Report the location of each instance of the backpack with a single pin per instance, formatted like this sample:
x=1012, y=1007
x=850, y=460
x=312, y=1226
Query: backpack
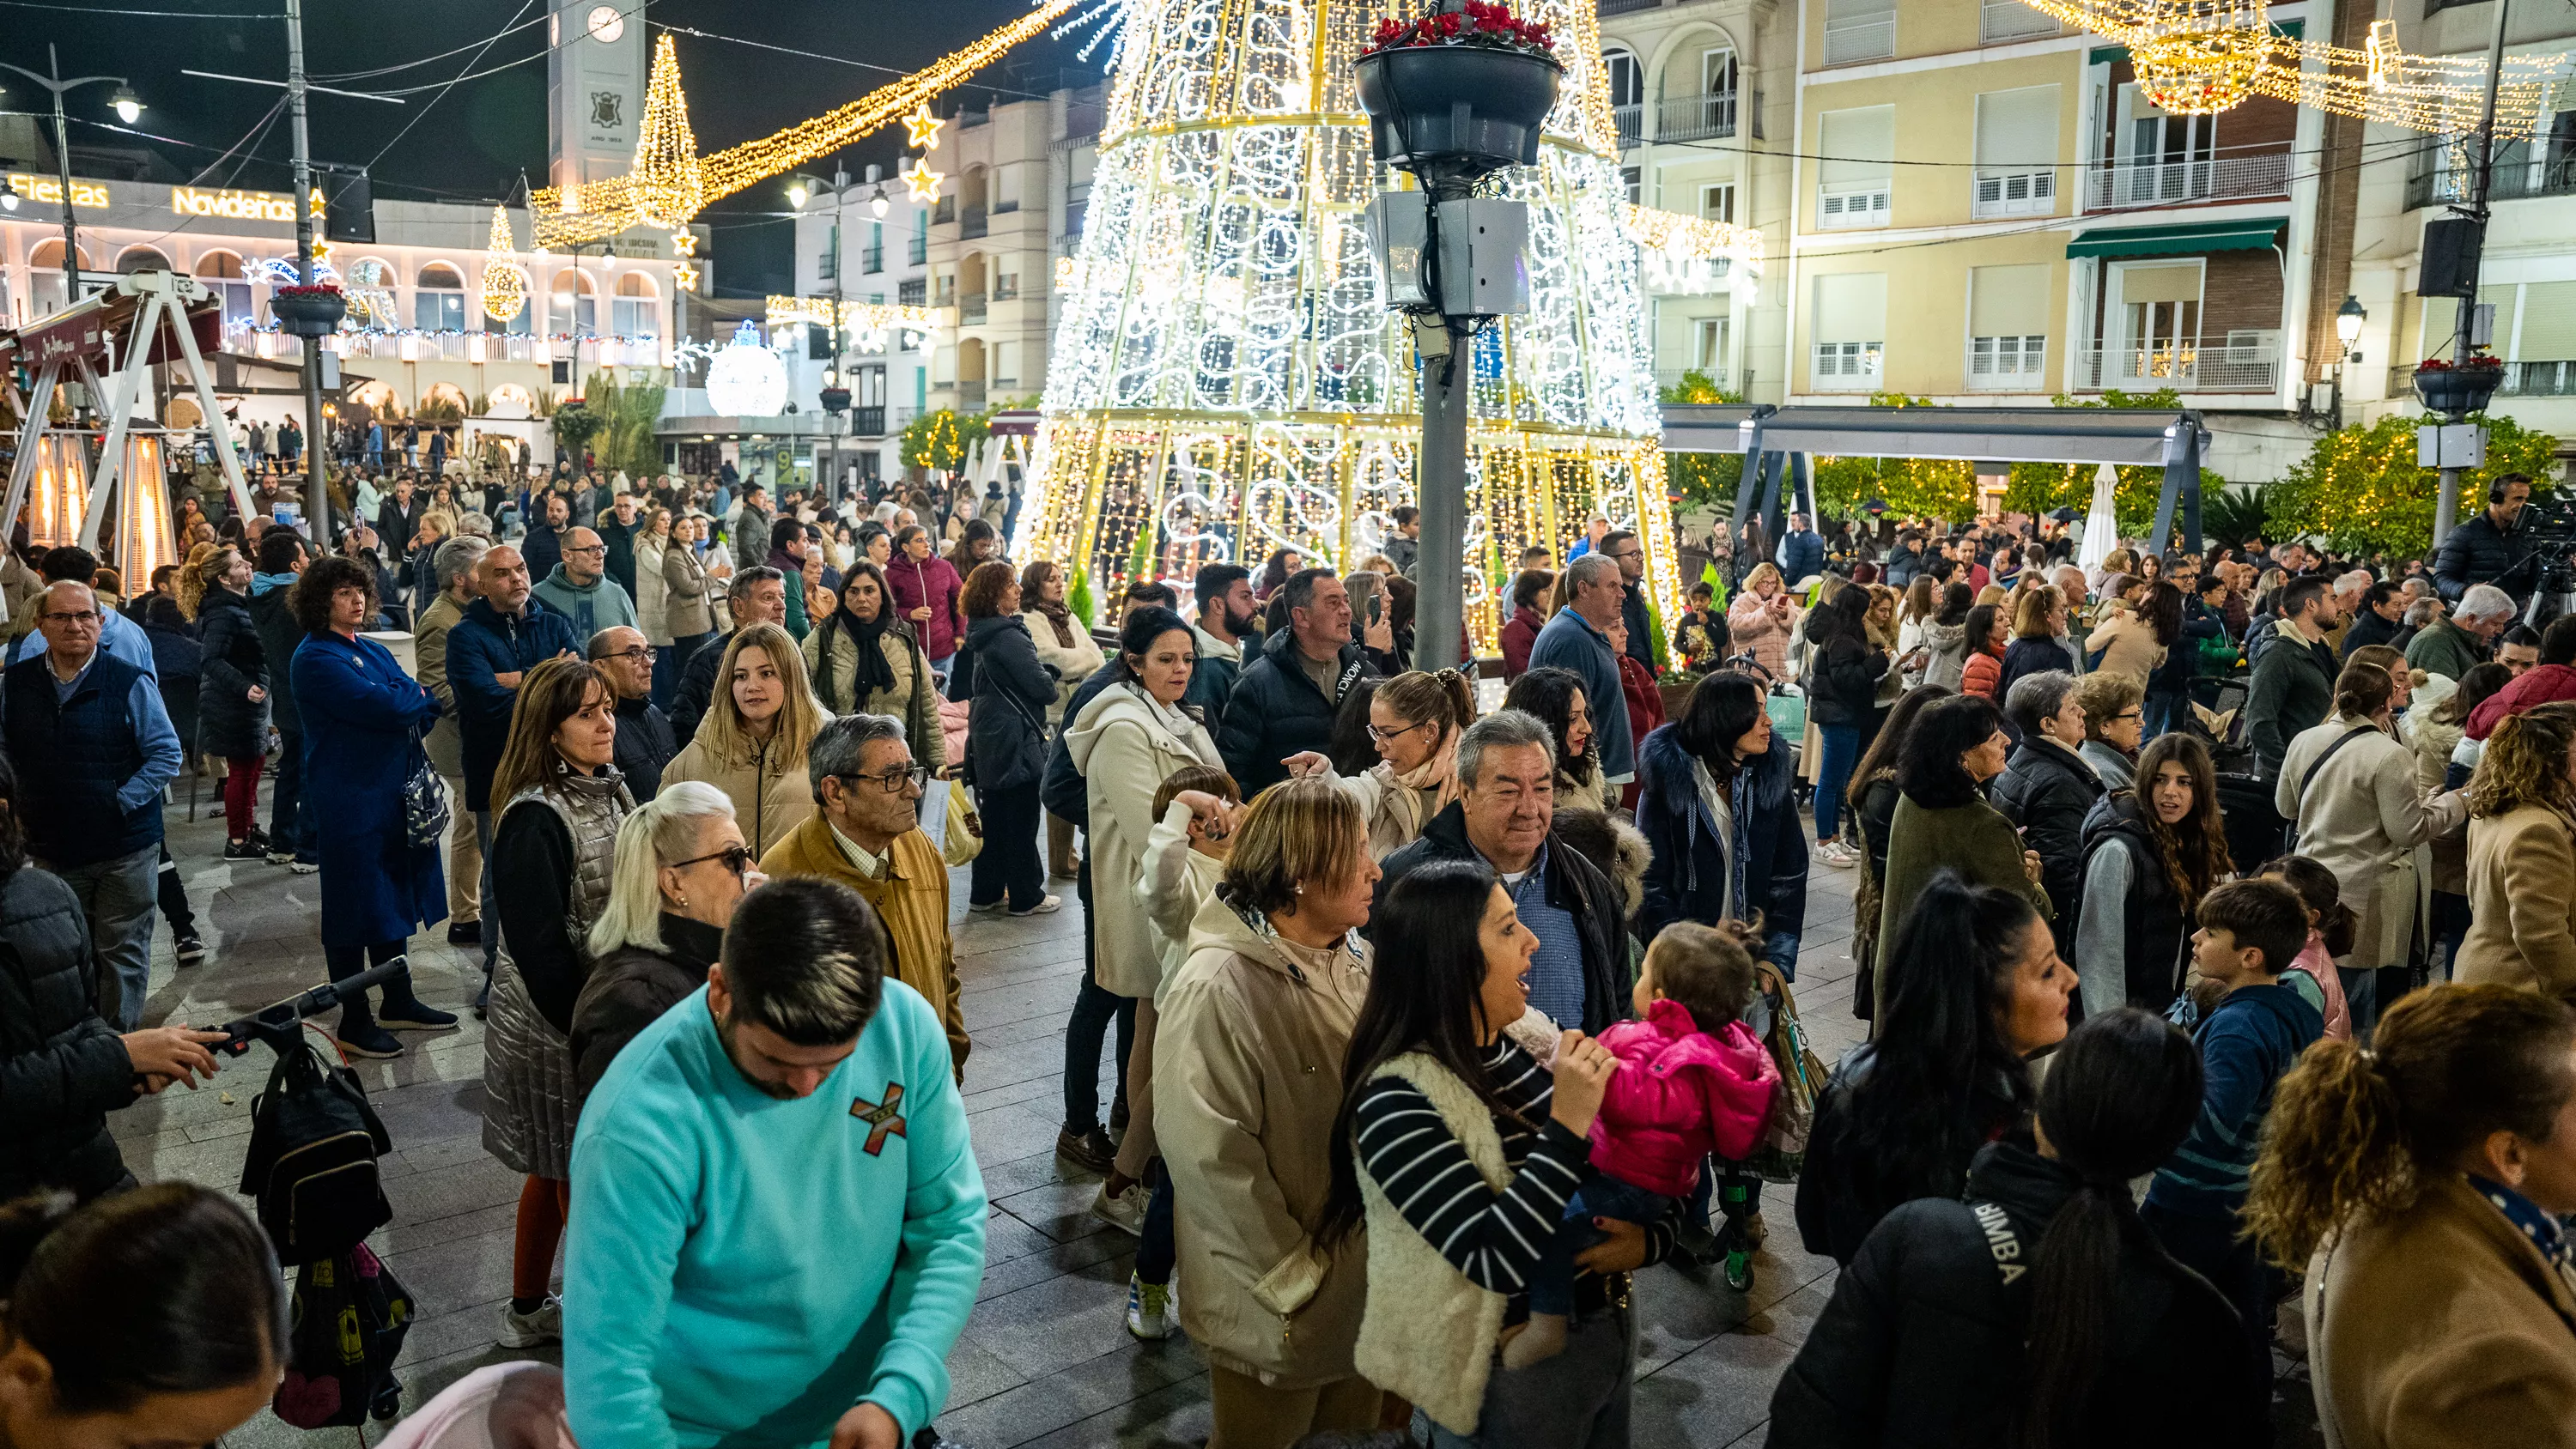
x=314, y=1142
x=351, y=1316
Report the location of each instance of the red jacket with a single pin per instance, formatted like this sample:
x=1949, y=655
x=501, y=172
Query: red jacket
x=1645, y=701
x=1680, y=1094
x=934, y=582
x=1983, y=673
x=1519, y=637
x=2542, y=684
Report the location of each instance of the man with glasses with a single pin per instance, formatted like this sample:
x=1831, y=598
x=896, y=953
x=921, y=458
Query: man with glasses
x=863, y=834
x=581, y=590
x=644, y=739
x=94, y=747
x=1628, y=551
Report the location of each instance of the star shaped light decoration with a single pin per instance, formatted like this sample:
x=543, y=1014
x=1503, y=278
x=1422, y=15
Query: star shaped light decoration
x=922, y=182
x=922, y=128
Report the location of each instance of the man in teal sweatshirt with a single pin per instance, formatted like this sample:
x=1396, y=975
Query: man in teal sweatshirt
x=782, y=1225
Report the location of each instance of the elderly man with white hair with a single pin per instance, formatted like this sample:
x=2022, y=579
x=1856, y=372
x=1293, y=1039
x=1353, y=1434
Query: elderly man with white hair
x=2070, y=586
x=2452, y=647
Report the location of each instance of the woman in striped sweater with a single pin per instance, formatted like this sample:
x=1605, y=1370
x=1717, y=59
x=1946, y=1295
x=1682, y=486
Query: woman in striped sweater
x=1457, y=1149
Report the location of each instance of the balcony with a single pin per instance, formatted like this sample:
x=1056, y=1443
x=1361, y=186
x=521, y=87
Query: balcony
x=2176, y=183
x=2007, y=363
x=918, y=253
x=943, y=211
x=1849, y=207
x=1847, y=366
x=1671, y=377
x=2514, y=180
x=1006, y=288
x=2002, y=22
x=1625, y=7
x=2013, y=193
x=872, y=260
x=972, y=309
x=971, y=394
x=973, y=223
x=1860, y=39
x=1631, y=120
x=868, y=422
x=1696, y=118
x=2521, y=379
x=2248, y=368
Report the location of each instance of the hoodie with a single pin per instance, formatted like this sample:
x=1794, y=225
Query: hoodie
x=1684, y=1093
x=603, y=604
x=1946, y=648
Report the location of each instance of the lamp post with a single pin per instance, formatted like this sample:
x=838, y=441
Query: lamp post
x=129, y=109
x=835, y=396
x=2348, y=320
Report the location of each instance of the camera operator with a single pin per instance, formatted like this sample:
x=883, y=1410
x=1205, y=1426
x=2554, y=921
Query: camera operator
x=2487, y=548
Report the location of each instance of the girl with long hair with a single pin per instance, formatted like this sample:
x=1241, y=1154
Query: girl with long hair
x=1971, y=989
x=864, y=660
x=1414, y=721
x=1842, y=702
x=1982, y=672
x=1942, y=820
x=752, y=743
x=1716, y=804
x=2075, y=1345
x=2150, y=854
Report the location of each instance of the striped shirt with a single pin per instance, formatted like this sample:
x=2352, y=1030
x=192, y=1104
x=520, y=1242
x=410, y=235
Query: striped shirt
x=1493, y=1237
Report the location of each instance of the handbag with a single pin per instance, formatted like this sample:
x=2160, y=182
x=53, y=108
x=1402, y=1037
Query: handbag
x=965, y=838
x=1783, y=1150
x=425, y=811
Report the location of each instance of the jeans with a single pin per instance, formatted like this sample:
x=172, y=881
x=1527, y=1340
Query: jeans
x=1093, y=1010
x=1841, y=752
x=492, y=932
x=1156, y=1253
x=1009, y=860
x=1551, y=1284
x=1576, y=1400
x=117, y=896
x=2166, y=709
x=288, y=829
x=665, y=674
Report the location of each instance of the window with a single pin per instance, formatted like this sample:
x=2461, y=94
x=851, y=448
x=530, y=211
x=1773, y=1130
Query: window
x=1717, y=72
x=2158, y=316
x=1717, y=203
x=912, y=292
x=438, y=301
x=873, y=260
x=1006, y=189
x=221, y=272
x=574, y=310
x=828, y=265
x=1859, y=30
x=1709, y=347
x=919, y=251
x=1633, y=179
x=1627, y=78
x=1850, y=331
x=2016, y=172
x=2008, y=325
x=1859, y=147
x=636, y=312
x=1006, y=364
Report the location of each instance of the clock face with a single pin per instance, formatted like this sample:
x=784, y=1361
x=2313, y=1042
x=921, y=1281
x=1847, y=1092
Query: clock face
x=606, y=23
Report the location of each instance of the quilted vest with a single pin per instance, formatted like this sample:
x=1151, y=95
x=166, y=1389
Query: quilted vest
x=1429, y=1333
x=71, y=759
x=591, y=807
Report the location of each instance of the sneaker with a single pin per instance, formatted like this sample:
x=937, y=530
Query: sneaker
x=302, y=867
x=244, y=850
x=372, y=1042
x=1126, y=1211
x=465, y=933
x=1092, y=1151
x=1151, y=1313
x=528, y=1330
x=413, y=1016
x=190, y=950
x=988, y=907
x=1046, y=906
x=1836, y=854
x=280, y=857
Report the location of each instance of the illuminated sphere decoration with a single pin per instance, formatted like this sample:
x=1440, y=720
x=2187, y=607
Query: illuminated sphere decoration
x=745, y=379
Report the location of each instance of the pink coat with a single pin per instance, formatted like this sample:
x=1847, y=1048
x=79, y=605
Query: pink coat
x=935, y=583
x=2320, y=967
x=1680, y=1094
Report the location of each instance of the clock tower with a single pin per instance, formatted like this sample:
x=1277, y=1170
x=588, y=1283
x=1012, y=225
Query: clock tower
x=595, y=79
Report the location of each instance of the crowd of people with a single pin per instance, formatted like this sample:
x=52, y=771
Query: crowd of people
x=2250, y=876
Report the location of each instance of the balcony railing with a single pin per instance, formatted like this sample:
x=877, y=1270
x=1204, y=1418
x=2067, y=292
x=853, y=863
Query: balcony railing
x=1862, y=38
x=872, y=260
x=1623, y=7
x=2514, y=180
x=943, y=211
x=2004, y=21
x=1631, y=121
x=1006, y=288
x=918, y=251
x=2253, y=368
x=868, y=422
x=2521, y=379
x=973, y=223
x=2169, y=183
x=1673, y=376
x=972, y=308
x=1695, y=118
x=2013, y=193
x=971, y=393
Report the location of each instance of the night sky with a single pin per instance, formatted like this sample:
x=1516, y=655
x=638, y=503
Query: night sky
x=479, y=137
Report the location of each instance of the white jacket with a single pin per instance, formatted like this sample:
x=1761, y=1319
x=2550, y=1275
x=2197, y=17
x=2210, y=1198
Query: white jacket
x=1174, y=882
x=2363, y=817
x=1125, y=750
x=1073, y=665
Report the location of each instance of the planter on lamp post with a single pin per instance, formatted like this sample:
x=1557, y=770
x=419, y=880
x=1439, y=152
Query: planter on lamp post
x=308, y=311
x=2457, y=390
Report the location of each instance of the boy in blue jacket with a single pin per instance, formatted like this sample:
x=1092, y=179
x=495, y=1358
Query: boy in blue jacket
x=2250, y=932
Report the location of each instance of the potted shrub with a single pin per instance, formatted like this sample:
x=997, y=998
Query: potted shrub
x=313, y=311
x=1461, y=89
x=1676, y=686
x=2458, y=388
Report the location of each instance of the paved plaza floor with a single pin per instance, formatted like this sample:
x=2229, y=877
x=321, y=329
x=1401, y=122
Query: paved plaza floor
x=1046, y=1359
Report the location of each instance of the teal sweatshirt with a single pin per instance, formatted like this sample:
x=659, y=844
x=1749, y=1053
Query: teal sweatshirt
x=743, y=1270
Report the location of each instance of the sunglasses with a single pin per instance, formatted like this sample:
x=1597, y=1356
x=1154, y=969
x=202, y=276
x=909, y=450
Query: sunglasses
x=736, y=858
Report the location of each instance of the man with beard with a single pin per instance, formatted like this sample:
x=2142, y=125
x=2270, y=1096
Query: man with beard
x=782, y=1224
x=1226, y=612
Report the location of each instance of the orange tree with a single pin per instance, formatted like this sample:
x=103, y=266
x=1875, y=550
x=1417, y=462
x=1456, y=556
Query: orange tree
x=2360, y=488
x=2042, y=488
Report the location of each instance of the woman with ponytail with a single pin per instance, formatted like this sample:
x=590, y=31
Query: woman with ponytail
x=1977, y=987
x=156, y=1316
x=1414, y=721
x=2420, y=1184
x=2037, y=1313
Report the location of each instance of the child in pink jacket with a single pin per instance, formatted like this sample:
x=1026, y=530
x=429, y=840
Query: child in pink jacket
x=2330, y=924
x=1691, y=1081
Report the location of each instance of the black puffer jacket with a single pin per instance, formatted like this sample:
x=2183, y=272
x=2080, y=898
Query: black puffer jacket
x=2029, y=655
x=229, y=725
x=1688, y=871
x=2153, y=926
x=1842, y=682
x=628, y=990
x=2477, y=552
x=1006, y=735
x=1574, y=884
x=1276, y=711
x=1844, y=1189
x=2047, y=791
x=1921, y=1344
x=274, y=617
x=62, y=1068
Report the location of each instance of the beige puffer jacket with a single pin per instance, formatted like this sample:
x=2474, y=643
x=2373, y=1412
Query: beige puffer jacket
x=1125, y=751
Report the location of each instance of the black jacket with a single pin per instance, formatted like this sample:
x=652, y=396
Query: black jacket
x=62, y=1068
x=2369, y=628
x=630, y=988
x=2154, y=930
x=1276, y=711
x=1006, y=734
x=1574, y=884
x=1686, y=874
x=1640, y=624
x=1921, y=1344
x=1843, y=1192
x=274, y=619
x=1901, y=565
x=1842, y=682
x=2293, y=691
x=1063, y=791
x=697, y=686
x=644, y=745
x=229, y=725
x=2030, y=656
x=2477, y=552
x=2048, y=791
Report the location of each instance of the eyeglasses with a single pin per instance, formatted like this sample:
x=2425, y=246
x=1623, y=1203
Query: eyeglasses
x=594, y=548
x=1382, y=736
x=2130, y=713
x=640, y=654
x=893, y=781
x=85, y=616
x=736, y=858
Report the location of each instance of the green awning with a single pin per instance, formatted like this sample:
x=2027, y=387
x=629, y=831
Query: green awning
x=2187, y=239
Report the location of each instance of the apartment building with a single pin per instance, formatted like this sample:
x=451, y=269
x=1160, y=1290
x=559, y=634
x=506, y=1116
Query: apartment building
x=1987, y=210
x=1019, y=175
x=870, y=243
x=1699, y=88
x=2528, y=272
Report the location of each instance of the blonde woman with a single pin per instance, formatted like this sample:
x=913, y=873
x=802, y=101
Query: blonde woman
x=193, y=579
x=2522, y=857
x=681, y=868
x=1761, y=619
x=1414, y=720
x=652, y=548
x=752, y=743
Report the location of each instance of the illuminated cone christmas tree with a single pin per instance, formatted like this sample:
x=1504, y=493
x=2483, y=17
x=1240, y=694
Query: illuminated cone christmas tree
x=1226, y=379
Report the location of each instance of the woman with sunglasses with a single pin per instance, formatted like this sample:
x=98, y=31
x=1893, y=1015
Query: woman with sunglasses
x=561, y=803
x=681, y=867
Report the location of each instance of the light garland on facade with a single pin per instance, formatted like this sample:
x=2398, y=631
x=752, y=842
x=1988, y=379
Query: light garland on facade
x=506, y=284
x=1689, y=238
x=653, y=192
x=2201, y=56
x=858, y=316
x=921, y=128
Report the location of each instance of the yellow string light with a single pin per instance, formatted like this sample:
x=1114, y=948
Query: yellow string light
x=602, y=209
x=859, y=316
x=668, y=184
x=506, y=284
x=1690, y=237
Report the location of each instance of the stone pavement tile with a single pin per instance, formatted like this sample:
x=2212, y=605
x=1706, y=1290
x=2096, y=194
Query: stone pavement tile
x=1112, y=1385
x=1051, y=1326
x=1713, y=1395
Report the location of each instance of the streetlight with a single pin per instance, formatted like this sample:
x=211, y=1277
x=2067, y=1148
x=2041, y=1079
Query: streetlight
x=835, y=396
x=2348, y=320
x=129, y=109
x=877, y=203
